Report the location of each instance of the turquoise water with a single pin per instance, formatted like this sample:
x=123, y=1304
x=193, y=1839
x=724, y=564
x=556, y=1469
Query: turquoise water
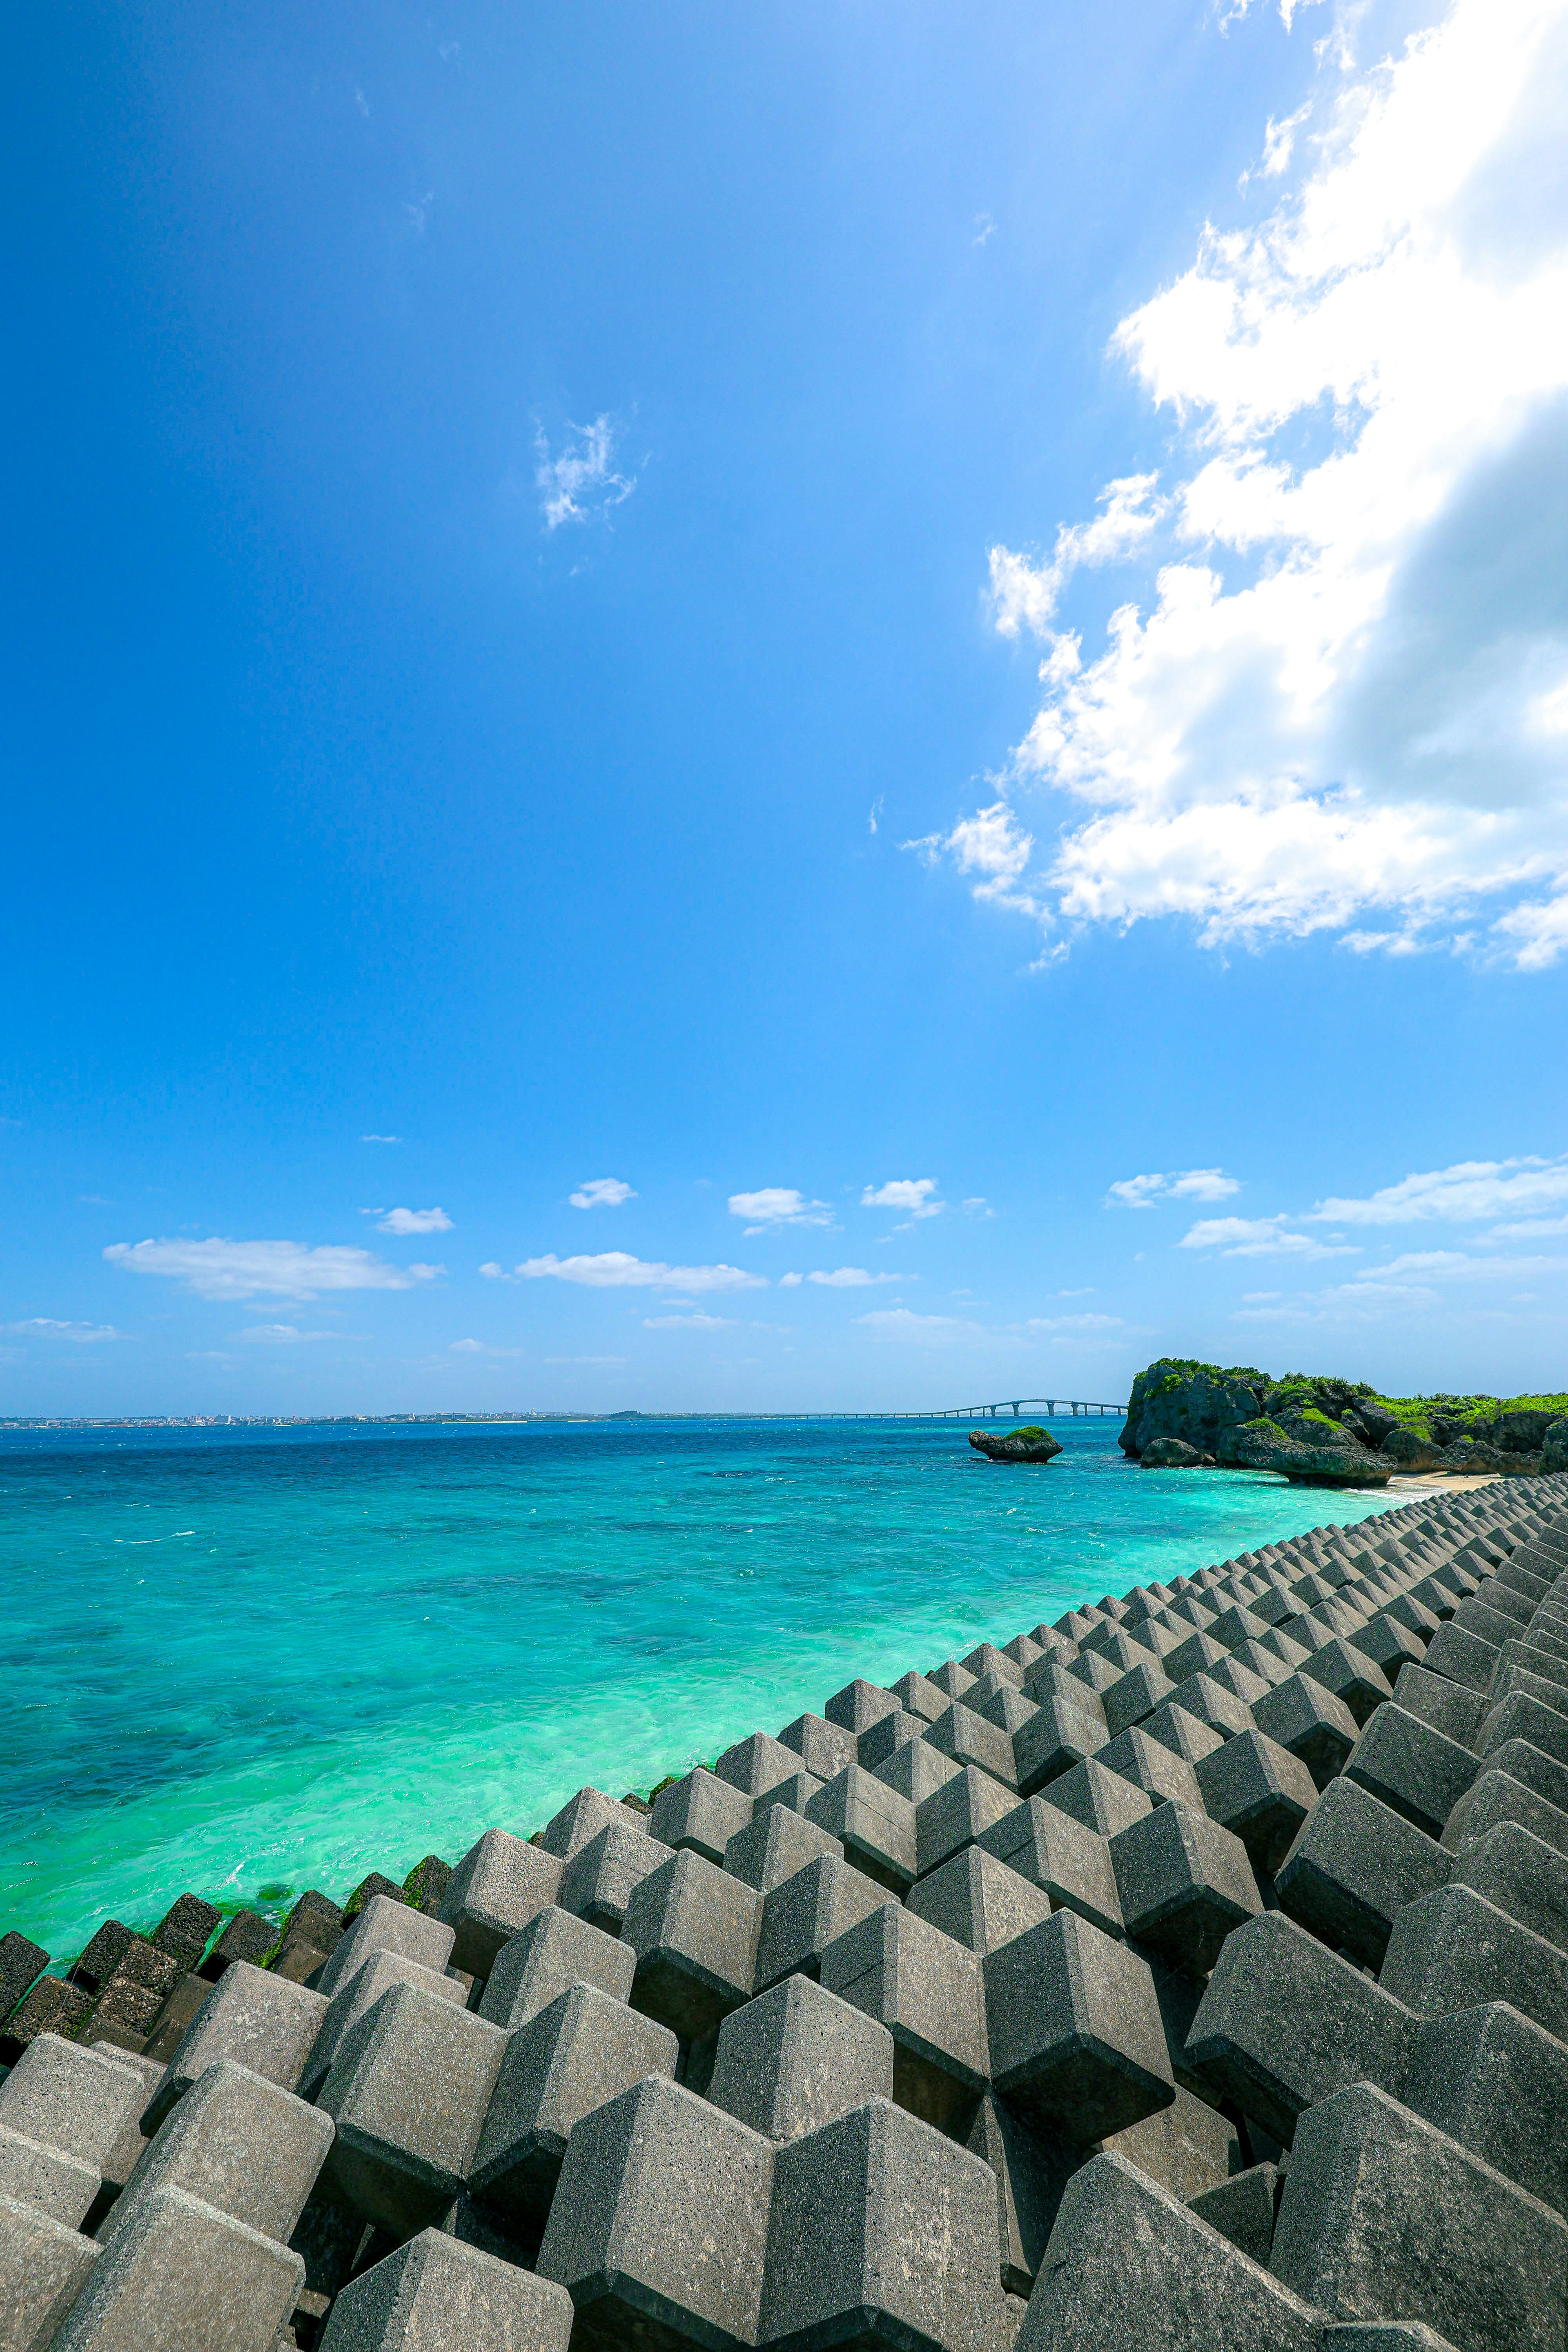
x=248, y=1660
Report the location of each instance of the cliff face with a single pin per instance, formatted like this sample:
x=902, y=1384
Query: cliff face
x=1192, y=1403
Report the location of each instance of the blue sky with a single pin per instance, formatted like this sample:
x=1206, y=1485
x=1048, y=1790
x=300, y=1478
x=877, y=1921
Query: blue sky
x=913, y=644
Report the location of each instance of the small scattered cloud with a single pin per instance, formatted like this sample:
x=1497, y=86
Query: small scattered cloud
x=1465, y=1193
x=229, y=1269
x=482, y=1347
x=978, y=1205
x=277, y=1335
x=876, y=811
x=922, y=1330
x=89, y=1200
x=916, y=1196
x=50, y=1327
x=776, y=1205
x=604, y=1363
x=854, y=1278
x=410, y=1221
x=1189, y=1184
x=493, y=1271
x=615, y=1270
x=1025, y=595
x=601, y=1193
x=984, y=229
x=418, y=212
x=381, y=1138
x=1259, y=1237
x=1075, y=1323
x=694, y=1322
x=791, y=1281
x=579, y=482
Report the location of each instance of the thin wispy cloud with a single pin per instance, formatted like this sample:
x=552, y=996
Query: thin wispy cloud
x=277, y=1335
x=919, y=1330
x=698, y=1322
x=854, y=1278
x=228, y=1269
x=579, y=482
x=778, y=1205
x=50, y=1327
x=1466, y=1193
x=601, y=1193
x=381, y=1138
x=1192, y=1184
x=616, y=1270
x=1259, y=1237
x=410, y=1221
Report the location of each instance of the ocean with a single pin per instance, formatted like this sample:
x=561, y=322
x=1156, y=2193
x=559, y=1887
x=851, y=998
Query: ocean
x=249, y=1661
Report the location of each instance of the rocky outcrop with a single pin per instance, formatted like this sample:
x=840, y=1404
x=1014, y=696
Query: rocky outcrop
x=1554, y=1447
x=1173, y=1454
x=1264, y=1444
x=1028, y=1444
x=1189, y=1401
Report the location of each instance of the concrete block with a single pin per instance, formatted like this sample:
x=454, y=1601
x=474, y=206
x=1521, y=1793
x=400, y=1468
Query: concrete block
x=1184, y=1883
x=1057, y=1735
x=496, y=1888
x=182, y=2277
x=1258, y=1791
x=775, y=1845
x=79, y=2100
x=1547, y=1775
x=254, y=2019
x=1129, y=2264
x=694, y=1930
x=1103, y=1801
x=51, y=2006
x=1454, y=1950
x=1519, y=1717
x=824, y=1747
x=926, y=1990
x=978, y=1901
x=858, y=1705
x=699, y=1814
x=435, y=2294
x=246, y=1937
x=1462, y=1657
x=1049, y=1678
x=1074, y=2030
x=755, y=1765
x=1203, y=1702
x=46, y=2180
x=808, y=1912
x=1383, y=2217
x=989, y=1660
x=796, y=2057
x=881, y=2232
x=43, y=2268
x=794, y=1794
x=915, y=1771
x=1388, y=1644
x=582, y=1819
x=1284, y=2022
x=658, y=2229
x=1495, y=1796
x=1522, y=1874
x=1032, y=2169
x=408, y=2091
x=383, y=1926
x=578, y=2053
x=185, y=1930
x=968, y=1738
x=1350, y=1677
x=1194, y=1656
x=1126, y=1651
x=128, y=2001
x=556, y=1950
x=1164, y=1776
x=873, y=1824
x=887, y=1735
x=244, y=2147
x=175, y=2018
x=1496, y=2083
x=22, y=1962
x=1354, y=1865
x=1095, y=1673
x=1242, y=2210
x=1134, y=1696
x=600, y=1879
x=377, y=1974
x=917, y=1694
x=958, y=1812
x=1244, y=1681
x=1310, y=1723
x=1010, y=1710
x=1068, y=1862
x=1448, y=1706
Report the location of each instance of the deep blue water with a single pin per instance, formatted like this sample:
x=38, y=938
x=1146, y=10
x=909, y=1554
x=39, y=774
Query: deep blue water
x=266, y=1659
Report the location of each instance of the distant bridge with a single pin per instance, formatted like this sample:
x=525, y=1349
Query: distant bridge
x=1079, y=1407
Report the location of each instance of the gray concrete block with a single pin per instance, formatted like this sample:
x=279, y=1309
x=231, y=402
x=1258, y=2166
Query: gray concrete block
x=556, y=1950
x=808, y=1912
x=1522, y=1874
x=1032, y=2169
x=1350, y=1677
x=1074, y=2030
x=915, y=1771
x=1194, y=1656
x=1057, y=1735
x=496, y=1888
x=1460, y=1656
x=887, y=1735
x=377, y=1974
x=958, y=1812
x=1284, y=2022
x=1310, y=1723
x=797, y=2056
x=1130, y=2265
x=1134, y=1696
x=694, y=1930
x=1494, y=1797
x=858, y=1705
x=241, y=2145
x=1184, y=1883
x=1049, y=1678
x=1010, y=1710
x=927, y=1991
x=1448, y=1706
x=1258, y=1791
x=185, y=1930
x=578, y=2053
x=246, y=1937
x=824, y=1747
x=658, y=2229
x=1164, y=1776
x=1095, y=1673
x=408, y=2091
x=1203, y=1702
x=1068, y=1862
x=775, y=1845
x=43, y=2268
x=1242, y=2210
x=1353, y=1865
x=1383, y=2217
x=1186, y=2148
x=599, y=1880
x=383, y=1926
x=1519, y=1717
x=755, y=1765
x=968, y=1738
x=1241, y=1680
x=1499, y=2085
x=989, y=1660
x=881, y=2232
x=1454, y=1950
x=254, y=2019
x=1103, y=1801
x=794, y=1794
x=46, y=2178
x=79, y=2100
x=582, y=1819
x=182, y=2277
x=873, y=1824
x=919, y=1696
x=978, y=1901
x=1547, y=1775
x=173, y=2020
x=699, y=1814
x=435, y=2294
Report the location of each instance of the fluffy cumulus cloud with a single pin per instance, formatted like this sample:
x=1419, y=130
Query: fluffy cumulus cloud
x=579, y=482
x=601, y=1192
x=1259, y=1237
x=225, y=1269
x=916, y=1196
x=616, y=1270
x=1192, y=1184
x=410, y=1221
x=1335, y=694
x=778, y=1204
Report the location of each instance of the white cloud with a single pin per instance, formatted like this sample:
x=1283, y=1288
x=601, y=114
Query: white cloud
x=482, y=1347
x=854, y=1278
x=580, y=482
x=614, y=1270
x=225, y=1269
x=1075, y=1323
x=791, y=1281
x=1194, y=1184
x=1340, y=698
x=925, y=1330
x=916, y=1196
x=601, y=1193
x=410, y=1221
x=1467, y=1192
x=1258, y=1237
x=277, y=1335
x=49, y=1326
x=493, y=1272
x=698, y=1322
x=381, y=1138
x=778, y=1204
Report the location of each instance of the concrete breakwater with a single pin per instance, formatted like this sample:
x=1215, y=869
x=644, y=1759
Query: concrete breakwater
x=1191, y=1972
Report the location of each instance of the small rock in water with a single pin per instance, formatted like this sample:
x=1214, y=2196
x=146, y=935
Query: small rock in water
x=1031, y=1443
x=1174, y=1453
